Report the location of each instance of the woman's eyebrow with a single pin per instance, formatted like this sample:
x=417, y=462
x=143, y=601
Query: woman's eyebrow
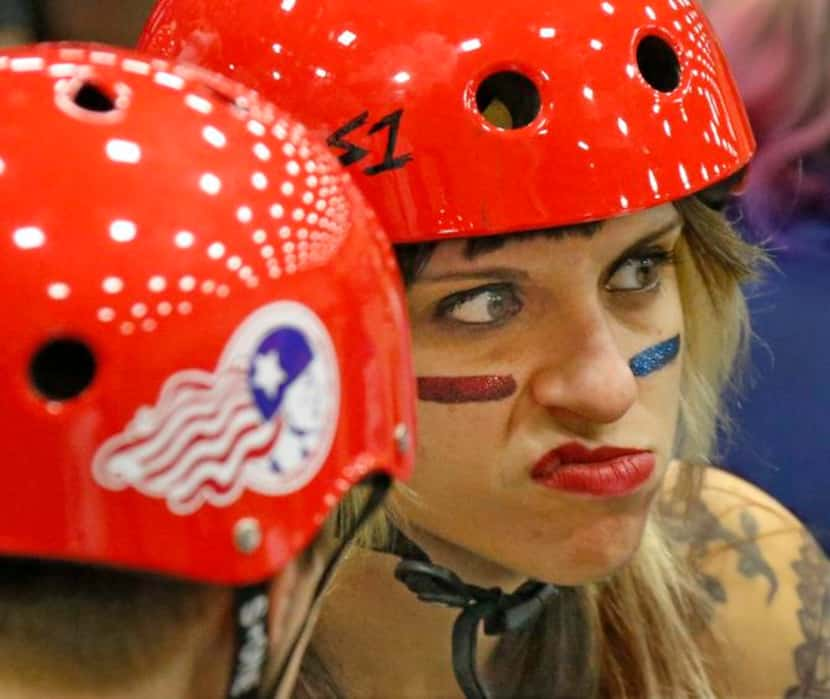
x=513, y=274
x=503, y=273
x=648, y=238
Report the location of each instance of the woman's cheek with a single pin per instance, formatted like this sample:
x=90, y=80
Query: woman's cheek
x=458, y=442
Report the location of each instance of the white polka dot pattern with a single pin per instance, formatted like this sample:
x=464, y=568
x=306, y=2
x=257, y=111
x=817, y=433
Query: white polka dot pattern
x=280, y=199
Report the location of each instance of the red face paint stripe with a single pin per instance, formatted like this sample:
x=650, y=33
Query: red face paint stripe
x=465, y=389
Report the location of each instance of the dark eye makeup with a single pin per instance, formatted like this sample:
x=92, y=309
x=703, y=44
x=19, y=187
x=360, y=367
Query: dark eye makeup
x=637, y=271
x=484, y=304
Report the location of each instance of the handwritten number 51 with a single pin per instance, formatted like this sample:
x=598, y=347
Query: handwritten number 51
x=352, y=153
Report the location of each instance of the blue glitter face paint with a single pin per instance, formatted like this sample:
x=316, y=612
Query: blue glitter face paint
x=655, y=358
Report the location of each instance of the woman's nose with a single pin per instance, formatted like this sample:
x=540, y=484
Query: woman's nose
x=587, y=379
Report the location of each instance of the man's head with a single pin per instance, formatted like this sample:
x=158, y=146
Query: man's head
x=168, y=272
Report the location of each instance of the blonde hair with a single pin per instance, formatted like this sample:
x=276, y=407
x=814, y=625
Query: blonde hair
x=643, y=630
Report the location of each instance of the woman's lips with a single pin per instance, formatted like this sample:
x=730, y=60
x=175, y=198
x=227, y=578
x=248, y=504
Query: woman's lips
x=603, y=472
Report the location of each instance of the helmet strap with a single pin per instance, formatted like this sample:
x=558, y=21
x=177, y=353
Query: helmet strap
x=500, y=611
x=380, y=484
x=250, y=612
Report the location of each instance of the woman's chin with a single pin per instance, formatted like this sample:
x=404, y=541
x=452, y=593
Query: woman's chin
x=586, y=571
x=594, y=552
x=568, y=551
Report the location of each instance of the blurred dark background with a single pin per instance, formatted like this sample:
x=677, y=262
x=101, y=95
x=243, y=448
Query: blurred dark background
x=112, y=21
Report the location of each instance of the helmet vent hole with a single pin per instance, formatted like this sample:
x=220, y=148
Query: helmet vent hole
x=658, y=64
x=508, y=100
x=93, y=98
x=62, y=369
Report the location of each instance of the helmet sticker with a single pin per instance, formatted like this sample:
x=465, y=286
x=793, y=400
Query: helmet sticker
x=354, y=153
x=264, y=420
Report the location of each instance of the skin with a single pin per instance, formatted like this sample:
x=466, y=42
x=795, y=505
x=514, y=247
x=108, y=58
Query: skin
x=769, y=583
x=584, y=306
x=568, y=348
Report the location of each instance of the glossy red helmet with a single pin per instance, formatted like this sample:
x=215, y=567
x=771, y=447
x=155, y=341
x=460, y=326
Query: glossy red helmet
x=198, y=362
x=478, y=117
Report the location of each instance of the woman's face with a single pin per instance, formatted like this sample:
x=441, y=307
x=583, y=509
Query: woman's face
x=554, y=331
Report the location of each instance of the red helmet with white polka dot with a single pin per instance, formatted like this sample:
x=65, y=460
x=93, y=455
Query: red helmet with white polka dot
x=476, y=117
x=197, y=364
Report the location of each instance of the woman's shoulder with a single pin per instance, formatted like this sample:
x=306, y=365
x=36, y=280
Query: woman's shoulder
x=770, y=582
x=739, y=503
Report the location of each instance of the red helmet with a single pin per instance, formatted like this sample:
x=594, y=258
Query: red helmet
x=210, y=347
x=472, y=118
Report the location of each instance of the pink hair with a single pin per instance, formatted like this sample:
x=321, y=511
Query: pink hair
x=780, y=54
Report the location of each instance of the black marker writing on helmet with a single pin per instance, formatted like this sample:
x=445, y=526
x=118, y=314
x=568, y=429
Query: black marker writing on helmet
x=352, y=153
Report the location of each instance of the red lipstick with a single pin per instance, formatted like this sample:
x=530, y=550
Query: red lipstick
x=603, y=472
x=465, y=389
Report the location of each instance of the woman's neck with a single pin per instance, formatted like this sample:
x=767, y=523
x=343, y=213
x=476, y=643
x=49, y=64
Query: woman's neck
x=376, y=639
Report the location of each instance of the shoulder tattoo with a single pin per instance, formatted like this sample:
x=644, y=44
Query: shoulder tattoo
x=700, y=530
x=812, y=658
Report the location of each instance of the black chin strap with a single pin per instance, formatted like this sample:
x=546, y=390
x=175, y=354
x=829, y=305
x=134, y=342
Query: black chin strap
x=500, y=611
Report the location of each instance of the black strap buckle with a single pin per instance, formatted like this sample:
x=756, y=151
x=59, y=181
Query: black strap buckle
x=499, y=611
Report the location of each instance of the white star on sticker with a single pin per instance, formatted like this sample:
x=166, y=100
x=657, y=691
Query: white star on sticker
x=268, y=374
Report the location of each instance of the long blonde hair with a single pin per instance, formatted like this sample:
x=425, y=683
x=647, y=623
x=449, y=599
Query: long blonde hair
x=642, y=632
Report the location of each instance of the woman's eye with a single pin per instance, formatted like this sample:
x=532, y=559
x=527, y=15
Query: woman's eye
x=639, y=273
x=481, y=306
